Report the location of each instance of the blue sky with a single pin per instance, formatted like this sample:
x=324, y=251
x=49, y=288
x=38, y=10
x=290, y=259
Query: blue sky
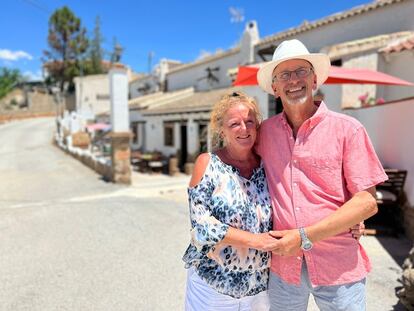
x=179, y=30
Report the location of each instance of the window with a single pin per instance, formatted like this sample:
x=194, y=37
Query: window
x=169, y=134
x=337, y=62
x=135, y=132
x=275, y=106
x=102, y=96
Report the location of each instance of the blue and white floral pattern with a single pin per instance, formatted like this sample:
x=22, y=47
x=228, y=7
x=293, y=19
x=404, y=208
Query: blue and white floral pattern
x=221, y=199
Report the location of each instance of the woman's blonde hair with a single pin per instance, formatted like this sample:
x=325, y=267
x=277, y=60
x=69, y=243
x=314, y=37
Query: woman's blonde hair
x=222, y=106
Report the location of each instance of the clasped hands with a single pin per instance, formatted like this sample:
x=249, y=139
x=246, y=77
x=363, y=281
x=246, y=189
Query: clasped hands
x=288, y=242
x=283, y=243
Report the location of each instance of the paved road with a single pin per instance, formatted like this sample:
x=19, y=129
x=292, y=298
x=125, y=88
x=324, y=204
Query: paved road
x=69, y=241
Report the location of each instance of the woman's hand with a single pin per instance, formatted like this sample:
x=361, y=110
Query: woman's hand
x=264, y=242
x=358, y=230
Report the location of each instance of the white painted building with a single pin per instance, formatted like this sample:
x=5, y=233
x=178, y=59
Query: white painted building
x=352, y=38
x=143, y=138
x=175, y=121
x=211, y=72
x=180, y=126
x=375, y=36
x=92, y=93
x=359, y=23
x=145, y=84
x=390, y=126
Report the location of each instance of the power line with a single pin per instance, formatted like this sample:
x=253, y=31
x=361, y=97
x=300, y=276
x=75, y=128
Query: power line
x=38, y=6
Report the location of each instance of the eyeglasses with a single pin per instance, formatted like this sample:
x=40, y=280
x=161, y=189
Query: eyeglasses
x=300, y=73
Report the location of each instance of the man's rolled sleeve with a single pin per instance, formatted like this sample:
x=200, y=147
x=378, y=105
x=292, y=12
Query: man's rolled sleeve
x=362, y=168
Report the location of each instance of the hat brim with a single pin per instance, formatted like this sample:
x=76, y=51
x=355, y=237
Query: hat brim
x=319, y=61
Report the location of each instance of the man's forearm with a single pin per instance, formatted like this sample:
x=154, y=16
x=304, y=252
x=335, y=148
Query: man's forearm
x=362, y=206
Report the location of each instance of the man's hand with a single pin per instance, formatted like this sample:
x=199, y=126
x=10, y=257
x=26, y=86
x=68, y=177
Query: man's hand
x=289, y=242
x=358, y=230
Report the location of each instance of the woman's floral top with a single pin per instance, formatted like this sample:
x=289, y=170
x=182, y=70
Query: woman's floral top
x=224, y=198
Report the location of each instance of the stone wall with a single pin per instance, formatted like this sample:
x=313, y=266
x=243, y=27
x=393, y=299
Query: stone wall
x=101, y=166
x=406, y=293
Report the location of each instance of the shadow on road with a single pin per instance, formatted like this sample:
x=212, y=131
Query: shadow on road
x=397, y=248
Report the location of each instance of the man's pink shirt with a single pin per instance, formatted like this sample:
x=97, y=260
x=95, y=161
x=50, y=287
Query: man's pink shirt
x=309, y=178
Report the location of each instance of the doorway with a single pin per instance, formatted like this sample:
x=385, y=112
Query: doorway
x=183, y=149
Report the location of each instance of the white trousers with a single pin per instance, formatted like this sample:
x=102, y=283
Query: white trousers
x=201, y=297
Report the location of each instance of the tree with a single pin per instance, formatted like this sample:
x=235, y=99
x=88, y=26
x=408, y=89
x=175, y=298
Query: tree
x=8, y=79
x=68, y=42
x=96, y=51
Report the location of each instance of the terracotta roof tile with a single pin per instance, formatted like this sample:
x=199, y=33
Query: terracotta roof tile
x=205, y=60
x=305, y=26
x=197, y=102
x=406, y=44
x=365, y=44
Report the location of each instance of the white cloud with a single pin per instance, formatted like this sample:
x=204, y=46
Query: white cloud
x=33, y=76
x=9, y=55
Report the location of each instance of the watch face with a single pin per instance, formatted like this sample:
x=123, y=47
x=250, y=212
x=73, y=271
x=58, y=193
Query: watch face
x=307, y=245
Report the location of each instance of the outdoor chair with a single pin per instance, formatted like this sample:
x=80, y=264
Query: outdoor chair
x=390, y=199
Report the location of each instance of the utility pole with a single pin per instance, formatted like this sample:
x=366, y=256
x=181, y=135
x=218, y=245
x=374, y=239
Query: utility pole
x=150, y=57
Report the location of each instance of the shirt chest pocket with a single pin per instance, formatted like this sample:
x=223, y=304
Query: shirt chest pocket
x=326, y=172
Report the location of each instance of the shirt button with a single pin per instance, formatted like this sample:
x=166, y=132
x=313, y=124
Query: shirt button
x=297, y=208
x=295, y=161
x=299, y=258
x=295, y=184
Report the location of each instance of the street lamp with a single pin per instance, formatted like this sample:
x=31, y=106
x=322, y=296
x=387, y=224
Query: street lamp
x=116, y=55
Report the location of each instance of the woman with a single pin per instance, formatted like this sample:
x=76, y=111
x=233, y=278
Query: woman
x=228, y=258
x=230, y=215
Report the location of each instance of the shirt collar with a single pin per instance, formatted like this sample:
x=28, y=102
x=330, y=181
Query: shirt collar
x=319, y=115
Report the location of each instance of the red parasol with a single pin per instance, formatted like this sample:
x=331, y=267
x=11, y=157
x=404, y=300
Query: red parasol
x=337, y=75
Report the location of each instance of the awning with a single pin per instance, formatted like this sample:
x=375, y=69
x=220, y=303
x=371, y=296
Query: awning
x=337, y=75
x=97, y=127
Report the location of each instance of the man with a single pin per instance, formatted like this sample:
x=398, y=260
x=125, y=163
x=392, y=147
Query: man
x=322, y=171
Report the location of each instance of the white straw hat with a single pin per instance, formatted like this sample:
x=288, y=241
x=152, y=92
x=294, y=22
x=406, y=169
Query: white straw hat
x=293, y=49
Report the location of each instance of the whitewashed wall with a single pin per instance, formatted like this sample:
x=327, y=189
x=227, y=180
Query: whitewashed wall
x=192, y=137
x=136, y=116
x=391, y=129
x=243, y=55
x=388, y=19
x=118, y=87
x=333, y=96
x=92, y=94
x=135, y=87
x=154, y=132
x=249, y=39
x=189, y=77
x=261, y=98
x=369, y=24
x=400, y=65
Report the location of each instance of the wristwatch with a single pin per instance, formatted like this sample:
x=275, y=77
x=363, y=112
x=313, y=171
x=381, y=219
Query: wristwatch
x=306, y=244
